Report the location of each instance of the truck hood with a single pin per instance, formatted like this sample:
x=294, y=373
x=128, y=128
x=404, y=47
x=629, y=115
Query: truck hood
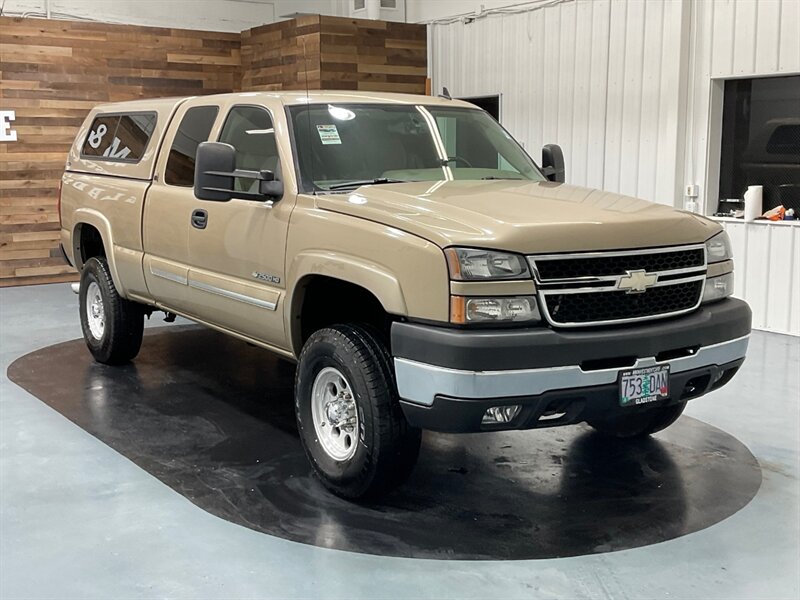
x=521, y=216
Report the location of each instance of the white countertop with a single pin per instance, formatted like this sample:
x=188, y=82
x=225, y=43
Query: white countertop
x=795, y=222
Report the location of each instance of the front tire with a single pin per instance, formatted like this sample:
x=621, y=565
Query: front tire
x=348, y=414
x=640, y=424
x=112, y=326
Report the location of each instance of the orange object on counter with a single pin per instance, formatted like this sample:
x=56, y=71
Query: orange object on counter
x=775, y=214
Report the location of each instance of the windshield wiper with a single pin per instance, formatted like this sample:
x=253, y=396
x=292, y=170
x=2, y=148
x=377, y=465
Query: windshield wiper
x=359, y=183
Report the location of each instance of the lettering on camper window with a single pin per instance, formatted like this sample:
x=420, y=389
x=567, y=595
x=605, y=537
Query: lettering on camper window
x=120, y=137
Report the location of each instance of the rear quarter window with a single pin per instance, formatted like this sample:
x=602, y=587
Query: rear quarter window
x=119, y=137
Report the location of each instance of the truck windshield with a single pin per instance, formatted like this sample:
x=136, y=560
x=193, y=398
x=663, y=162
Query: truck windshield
x=342, y=146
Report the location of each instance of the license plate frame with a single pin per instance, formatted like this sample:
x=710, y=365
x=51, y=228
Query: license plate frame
x=643, y=385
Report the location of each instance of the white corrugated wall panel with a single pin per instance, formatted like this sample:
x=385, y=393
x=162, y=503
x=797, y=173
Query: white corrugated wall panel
x=789, y=46
x=598, y=49
x=767, y=43
x=763, y=256
x=588, y=75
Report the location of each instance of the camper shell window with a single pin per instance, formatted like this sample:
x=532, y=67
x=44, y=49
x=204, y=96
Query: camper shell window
x=119, y=137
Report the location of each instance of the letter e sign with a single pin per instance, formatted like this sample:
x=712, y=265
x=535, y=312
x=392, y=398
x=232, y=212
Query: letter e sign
x=6, y=133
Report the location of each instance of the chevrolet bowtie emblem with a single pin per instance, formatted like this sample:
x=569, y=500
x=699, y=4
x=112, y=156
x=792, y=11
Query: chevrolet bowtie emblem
x=636, y=282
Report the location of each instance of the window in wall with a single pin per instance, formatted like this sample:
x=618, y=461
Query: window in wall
x=194, y=128
x=359, y=4
x=761, y=139
x=490, y=104
x=249, y=129
x=119, y=138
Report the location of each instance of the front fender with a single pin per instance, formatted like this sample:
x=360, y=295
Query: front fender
x=371, y=276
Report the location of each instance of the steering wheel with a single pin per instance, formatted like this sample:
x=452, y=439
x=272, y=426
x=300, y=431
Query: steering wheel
x=457, y=159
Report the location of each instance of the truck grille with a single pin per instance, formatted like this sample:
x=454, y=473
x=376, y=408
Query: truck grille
x=597, y=266
x=601, y=288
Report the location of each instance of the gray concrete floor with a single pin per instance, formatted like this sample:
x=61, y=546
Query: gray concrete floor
x=78, y=520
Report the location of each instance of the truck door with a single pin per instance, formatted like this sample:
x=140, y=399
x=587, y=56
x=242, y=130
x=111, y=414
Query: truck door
x=170, y=203
x=237, y=251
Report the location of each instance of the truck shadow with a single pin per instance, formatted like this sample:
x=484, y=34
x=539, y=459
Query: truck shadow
x=212, y=418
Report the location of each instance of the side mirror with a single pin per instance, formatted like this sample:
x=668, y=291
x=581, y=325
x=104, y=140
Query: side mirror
x=553, y=162
x=213, y=167
x=215, y=174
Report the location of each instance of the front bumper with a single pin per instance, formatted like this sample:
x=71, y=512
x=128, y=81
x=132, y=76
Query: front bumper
x=447, y=378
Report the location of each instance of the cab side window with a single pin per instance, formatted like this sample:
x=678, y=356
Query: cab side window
x=249, y=129
x=195, y=127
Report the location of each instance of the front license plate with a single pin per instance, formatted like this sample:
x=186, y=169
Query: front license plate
x=642, y=386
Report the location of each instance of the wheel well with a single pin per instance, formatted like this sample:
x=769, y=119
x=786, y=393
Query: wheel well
x=89, y=243
x=321, y=301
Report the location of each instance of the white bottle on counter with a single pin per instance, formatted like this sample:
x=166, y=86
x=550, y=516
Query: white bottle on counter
x=753, y=198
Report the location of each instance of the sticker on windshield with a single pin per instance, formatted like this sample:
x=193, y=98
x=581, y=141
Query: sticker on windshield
x=328, y=134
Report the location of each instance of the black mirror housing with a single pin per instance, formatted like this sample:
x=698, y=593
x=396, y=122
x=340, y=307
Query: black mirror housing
x=215, y=175
x=213, y=159
x=553, y=163
x=273, y=190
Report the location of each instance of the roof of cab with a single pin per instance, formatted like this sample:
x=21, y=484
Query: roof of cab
x=326, y=96
x=289, y=98
x=150, y=104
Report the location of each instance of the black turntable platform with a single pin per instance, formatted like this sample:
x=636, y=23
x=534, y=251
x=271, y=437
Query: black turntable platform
x=212, y=418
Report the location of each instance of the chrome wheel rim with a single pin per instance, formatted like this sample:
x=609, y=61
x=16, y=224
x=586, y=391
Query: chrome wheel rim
x=95, y=314
x=334, y=412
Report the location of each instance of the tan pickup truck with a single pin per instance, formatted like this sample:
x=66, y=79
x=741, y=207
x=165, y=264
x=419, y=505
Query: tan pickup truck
x=417, y=264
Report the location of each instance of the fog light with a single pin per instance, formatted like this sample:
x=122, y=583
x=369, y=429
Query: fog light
x=501, y=414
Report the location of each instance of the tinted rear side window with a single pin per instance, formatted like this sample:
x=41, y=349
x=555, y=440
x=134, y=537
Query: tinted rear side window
x=120, y=137
x=195, y=127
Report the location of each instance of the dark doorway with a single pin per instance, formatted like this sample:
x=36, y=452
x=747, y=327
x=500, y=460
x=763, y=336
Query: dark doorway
x=490, y=104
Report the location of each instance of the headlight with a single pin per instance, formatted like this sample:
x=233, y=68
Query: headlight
x=468, y=264
x=512, y=309
x=718, y=248
x=718, y=288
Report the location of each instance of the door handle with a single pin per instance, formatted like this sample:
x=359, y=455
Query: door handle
x=199, y=218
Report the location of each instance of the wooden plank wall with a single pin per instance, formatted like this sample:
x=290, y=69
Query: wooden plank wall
x=340, y=53
x=51, y=74
x=374, y=56
x=280, y=56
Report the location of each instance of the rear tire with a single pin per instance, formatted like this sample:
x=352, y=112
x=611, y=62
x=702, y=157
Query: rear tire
x=348, y=414
x=640, y=424
x=112, y=326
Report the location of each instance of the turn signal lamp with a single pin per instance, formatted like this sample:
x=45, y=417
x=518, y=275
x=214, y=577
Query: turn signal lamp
x=718, y=288
x=505, y=309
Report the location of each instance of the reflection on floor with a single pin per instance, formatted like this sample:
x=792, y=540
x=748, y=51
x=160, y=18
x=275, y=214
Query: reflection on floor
x=212, y=418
